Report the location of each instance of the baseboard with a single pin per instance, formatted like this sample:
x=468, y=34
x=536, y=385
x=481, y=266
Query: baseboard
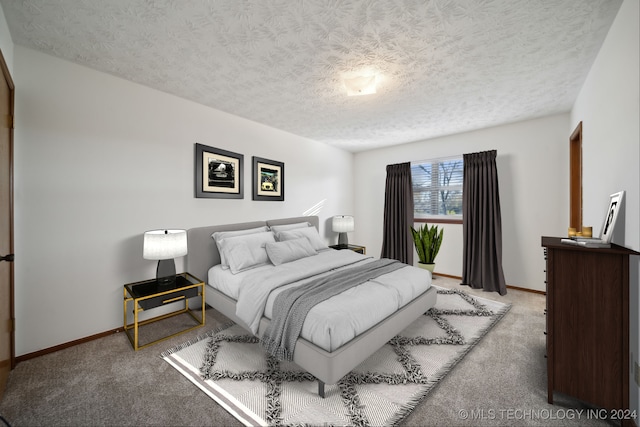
x=59, y=347
x=517, y=288
x=533, y=291
x=120, y=329
x=447, y=275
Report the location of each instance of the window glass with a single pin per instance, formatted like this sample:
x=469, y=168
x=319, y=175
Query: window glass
x=437, y=188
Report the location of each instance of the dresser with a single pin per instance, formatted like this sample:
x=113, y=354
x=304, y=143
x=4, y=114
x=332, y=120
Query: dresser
x=587, y=324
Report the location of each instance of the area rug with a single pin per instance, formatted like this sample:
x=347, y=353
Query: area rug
x=230, y=366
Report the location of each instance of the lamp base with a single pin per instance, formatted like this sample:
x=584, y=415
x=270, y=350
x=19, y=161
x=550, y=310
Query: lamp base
x=343, y=240
x=166, y=272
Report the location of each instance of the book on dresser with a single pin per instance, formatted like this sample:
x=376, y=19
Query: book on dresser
x=586, y=242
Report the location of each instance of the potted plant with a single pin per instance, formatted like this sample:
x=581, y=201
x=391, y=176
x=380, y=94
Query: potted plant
x=427, y=241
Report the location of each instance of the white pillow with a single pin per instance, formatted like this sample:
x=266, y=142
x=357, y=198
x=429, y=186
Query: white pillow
x=219, y=235
x=310, y=233
x=246, y=251
x=285, y=227
x=289, y=250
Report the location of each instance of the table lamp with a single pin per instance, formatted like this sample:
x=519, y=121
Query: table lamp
x=165, y=245
x=342, y=224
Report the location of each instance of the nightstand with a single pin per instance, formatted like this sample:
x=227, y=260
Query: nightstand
x=356, y=248
x=150, y=294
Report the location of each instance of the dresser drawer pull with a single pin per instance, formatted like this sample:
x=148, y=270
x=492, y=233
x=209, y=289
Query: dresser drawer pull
x=167, y=301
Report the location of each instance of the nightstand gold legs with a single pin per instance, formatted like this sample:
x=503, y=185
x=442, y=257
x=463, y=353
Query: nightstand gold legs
x=157, y=299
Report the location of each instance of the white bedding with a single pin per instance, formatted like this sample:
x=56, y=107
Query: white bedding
x=335, y=321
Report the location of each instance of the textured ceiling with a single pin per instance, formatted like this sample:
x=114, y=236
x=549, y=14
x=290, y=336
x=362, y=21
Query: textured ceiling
x=444, y=66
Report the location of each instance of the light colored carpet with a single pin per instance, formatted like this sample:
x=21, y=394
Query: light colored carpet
x=105, y=383
x=232, y=368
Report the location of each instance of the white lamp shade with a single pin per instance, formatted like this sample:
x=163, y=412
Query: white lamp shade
x=342, y=223
x=164, y=244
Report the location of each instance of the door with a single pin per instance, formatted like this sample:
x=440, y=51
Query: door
x=575, y=178
x=7, y=353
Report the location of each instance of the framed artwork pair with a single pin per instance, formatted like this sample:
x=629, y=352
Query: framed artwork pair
x=219, y=175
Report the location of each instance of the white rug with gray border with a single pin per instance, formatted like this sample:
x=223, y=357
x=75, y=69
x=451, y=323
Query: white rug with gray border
x=231, y=367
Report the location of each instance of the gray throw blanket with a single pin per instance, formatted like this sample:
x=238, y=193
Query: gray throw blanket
x=292, y=305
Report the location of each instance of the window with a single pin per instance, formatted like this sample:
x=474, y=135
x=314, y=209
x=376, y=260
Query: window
x=437, y=189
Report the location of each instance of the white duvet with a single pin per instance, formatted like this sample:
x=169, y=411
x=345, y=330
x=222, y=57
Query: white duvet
x=335, y=321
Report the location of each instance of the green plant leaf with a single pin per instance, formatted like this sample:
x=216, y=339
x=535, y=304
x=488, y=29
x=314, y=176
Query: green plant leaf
x=427, y=241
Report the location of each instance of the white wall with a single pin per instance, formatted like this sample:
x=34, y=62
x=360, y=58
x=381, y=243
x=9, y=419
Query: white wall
x=99, y=160
x=6, y=43
x=533, y=179
x=608, y=106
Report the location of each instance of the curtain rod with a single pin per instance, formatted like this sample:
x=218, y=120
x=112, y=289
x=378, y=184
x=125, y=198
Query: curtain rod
x=436, y=159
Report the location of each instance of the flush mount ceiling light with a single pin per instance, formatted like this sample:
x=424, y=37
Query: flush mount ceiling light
x=360, y=85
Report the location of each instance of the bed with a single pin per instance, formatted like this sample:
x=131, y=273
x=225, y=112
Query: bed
x=327, y=359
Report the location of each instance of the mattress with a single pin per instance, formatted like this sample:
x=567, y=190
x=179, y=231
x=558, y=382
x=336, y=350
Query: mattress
x=336, y=321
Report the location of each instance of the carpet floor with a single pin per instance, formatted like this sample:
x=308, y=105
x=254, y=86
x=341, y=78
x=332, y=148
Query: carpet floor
x=501, y=381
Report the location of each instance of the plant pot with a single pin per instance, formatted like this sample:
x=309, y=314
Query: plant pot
x=429, y=267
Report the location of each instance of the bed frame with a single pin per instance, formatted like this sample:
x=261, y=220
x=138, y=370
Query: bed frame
x=327, y=367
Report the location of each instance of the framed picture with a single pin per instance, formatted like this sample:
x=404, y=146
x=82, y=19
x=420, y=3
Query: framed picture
x=218, y=173
x=615, y=203
x=268, y=179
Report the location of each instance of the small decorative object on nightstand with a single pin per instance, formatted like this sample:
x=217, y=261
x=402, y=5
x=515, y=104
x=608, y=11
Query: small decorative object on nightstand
x=356, y=248
x=153, y=293
x=342, y=224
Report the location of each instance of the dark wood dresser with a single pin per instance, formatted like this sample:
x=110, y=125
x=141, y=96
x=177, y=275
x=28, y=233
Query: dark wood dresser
x=588, y=323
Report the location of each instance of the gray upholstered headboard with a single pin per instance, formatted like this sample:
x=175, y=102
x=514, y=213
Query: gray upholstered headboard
x=203, y=253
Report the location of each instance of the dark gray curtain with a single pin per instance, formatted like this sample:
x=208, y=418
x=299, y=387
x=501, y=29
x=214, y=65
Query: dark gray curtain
x=397, y=242
x=482, y=224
